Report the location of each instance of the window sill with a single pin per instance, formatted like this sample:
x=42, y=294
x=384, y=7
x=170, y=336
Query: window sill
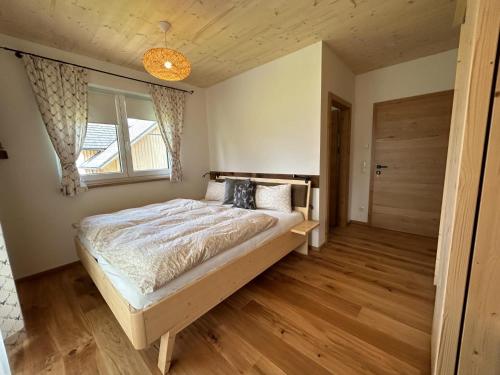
x=124, y=181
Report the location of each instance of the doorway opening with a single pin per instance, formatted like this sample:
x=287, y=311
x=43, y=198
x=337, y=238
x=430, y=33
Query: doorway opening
x=339, y=141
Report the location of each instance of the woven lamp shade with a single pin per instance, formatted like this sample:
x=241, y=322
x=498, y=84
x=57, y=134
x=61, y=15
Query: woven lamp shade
x=154, y=62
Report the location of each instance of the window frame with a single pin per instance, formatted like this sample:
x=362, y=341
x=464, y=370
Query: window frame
x=127, y=174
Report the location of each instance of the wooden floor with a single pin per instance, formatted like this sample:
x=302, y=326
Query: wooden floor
x=363, y=305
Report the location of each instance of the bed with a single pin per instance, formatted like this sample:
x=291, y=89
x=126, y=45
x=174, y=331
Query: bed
x=147, y=315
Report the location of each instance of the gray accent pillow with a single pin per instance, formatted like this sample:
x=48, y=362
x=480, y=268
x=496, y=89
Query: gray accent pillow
x=229, y=187
x=244, y=195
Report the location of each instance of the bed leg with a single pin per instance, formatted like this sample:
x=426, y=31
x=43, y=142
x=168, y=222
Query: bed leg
x=304, y=248
x=166, y=349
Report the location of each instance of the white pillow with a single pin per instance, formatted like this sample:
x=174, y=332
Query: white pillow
x=277, y=197
x=215, y=191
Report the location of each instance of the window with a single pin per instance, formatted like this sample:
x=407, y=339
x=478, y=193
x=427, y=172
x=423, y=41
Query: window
x=123, y=140
x=100, y=153
x=148, y=148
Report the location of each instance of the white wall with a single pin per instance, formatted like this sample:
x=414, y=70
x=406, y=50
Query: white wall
x=36, y=217
x=417, y=77
x=266, y=119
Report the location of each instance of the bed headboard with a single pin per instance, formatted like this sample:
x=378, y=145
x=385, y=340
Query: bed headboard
x=301, y=190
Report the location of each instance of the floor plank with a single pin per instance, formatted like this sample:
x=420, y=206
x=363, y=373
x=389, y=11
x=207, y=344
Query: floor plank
x=362, y=305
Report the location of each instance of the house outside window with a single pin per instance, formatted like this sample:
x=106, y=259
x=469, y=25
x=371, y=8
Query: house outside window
x=123, y=140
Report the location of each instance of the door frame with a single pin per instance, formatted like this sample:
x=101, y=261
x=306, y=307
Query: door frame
x=345, y=150
x=478, y=343
x=374, y=125
x=474, y=85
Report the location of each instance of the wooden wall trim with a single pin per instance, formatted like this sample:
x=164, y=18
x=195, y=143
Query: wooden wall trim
x=473, y=87
x=481, y=331
x=314, y=178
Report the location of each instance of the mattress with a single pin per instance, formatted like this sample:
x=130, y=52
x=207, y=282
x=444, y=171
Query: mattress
x=140, y=301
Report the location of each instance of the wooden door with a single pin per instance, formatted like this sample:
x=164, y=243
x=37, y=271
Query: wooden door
x=410, y=142
x=480, y=349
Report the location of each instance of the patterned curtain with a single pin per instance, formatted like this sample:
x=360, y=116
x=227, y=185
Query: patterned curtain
x=11, y=318
x=61, y=93
x=169, y=108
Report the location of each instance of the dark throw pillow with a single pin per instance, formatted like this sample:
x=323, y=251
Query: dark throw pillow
x=229, y=191
x=229, y=187
x=244, y=195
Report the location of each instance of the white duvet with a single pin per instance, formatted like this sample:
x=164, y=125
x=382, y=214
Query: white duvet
x=154, y=244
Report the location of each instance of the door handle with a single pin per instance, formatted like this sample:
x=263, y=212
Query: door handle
x=379, y=166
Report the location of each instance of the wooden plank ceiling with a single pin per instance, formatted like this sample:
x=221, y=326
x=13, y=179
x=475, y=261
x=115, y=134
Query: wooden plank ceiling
x=223, y=38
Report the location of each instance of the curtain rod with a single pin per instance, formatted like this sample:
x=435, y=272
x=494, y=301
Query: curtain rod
x=19, y=54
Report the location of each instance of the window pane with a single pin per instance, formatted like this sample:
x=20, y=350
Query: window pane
x=147, y=145
x=100, y=152
x=102, y=108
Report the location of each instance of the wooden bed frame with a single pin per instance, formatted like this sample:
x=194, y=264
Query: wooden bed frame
x=166, y=317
